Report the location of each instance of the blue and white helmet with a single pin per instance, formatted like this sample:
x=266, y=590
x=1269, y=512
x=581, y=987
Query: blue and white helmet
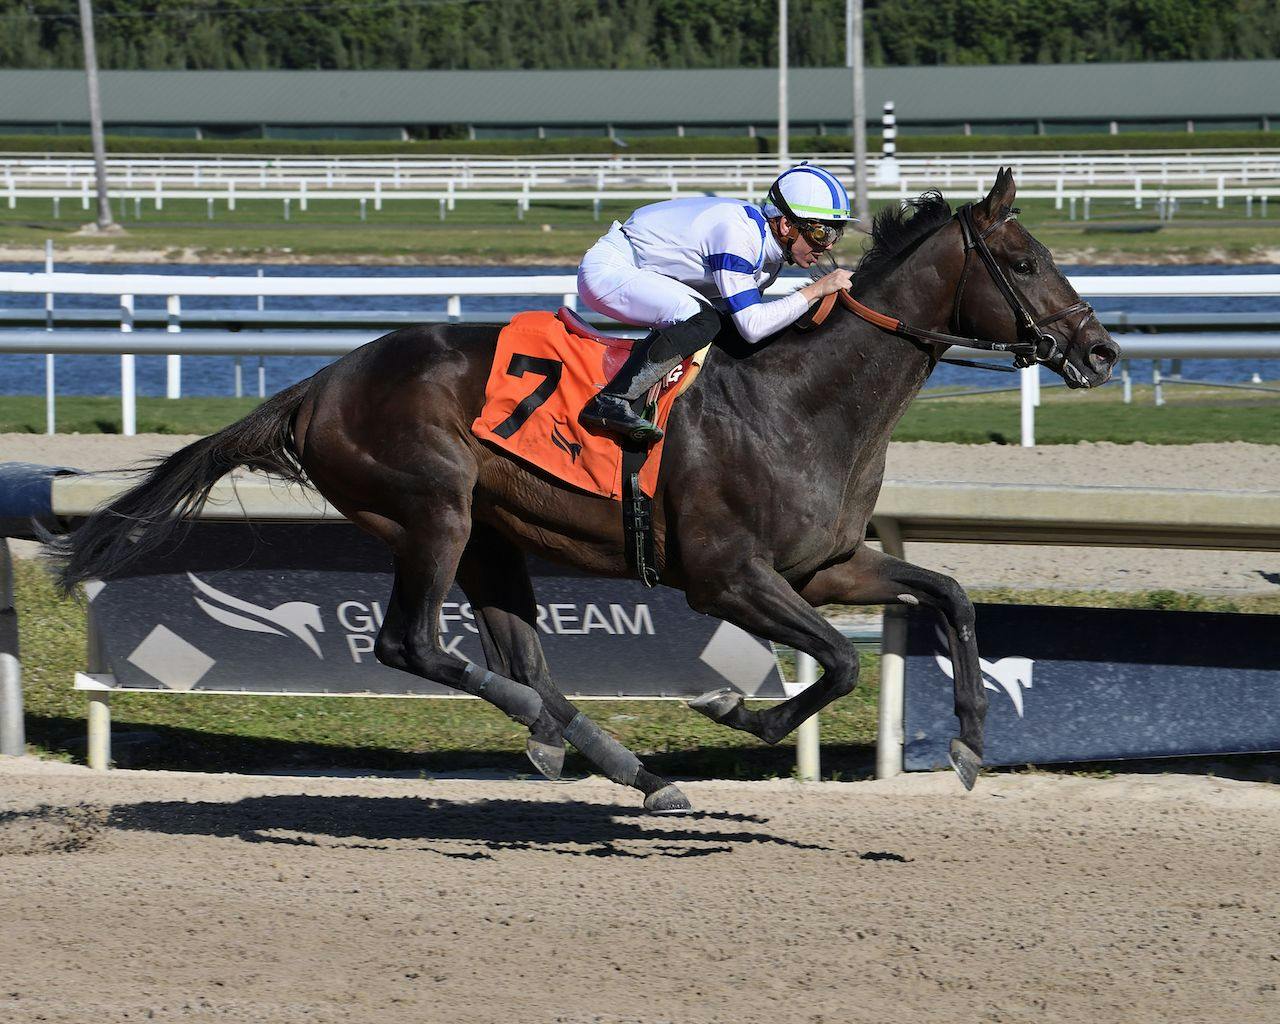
x=808, y=193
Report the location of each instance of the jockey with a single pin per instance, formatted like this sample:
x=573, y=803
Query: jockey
x=673, y=266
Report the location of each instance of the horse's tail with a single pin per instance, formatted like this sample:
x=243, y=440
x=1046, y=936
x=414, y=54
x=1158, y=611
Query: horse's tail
x=175, y=489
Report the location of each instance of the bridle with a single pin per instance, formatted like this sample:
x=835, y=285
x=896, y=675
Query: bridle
x=1034, y=344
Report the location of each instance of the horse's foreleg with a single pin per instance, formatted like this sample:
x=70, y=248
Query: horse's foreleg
x=495, y=577
x=757, y=599
x=872, y=577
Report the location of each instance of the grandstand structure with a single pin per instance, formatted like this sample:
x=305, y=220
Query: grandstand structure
x=951, y=100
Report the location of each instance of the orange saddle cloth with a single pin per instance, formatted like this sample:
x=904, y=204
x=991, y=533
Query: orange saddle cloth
x=542, y=376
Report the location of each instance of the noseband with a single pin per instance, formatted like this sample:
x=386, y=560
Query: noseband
x=1034, y=344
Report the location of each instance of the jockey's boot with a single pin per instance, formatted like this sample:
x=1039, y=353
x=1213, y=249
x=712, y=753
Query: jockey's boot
x=652, y=358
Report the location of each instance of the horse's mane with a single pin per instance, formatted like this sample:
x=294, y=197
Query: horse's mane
x=894, y=233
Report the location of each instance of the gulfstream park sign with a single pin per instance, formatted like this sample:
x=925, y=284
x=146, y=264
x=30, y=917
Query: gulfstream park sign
x=361, y=622
x=296, y=608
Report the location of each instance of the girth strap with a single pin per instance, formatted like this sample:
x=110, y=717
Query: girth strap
x=637, y=518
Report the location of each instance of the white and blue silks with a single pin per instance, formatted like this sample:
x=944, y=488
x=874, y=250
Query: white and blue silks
x=671, y=259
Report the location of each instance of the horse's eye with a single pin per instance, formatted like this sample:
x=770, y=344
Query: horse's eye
x=1024, y=266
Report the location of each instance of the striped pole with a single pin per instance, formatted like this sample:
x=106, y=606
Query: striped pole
x=887, y=172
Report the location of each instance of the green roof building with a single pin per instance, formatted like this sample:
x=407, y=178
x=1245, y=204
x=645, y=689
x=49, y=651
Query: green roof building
x=1017, y=99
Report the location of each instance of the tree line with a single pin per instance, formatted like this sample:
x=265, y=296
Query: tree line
x=513, y=34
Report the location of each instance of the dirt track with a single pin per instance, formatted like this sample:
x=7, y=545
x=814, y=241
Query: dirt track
x=1235, y=466
x=175, y=897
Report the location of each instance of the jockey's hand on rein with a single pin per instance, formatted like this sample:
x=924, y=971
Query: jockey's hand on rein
x=835, y=281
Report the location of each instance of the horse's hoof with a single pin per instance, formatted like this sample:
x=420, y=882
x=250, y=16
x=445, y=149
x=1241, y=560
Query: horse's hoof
x=965, y=762
x=548, y=759
x=667, y=800
x=717, y=705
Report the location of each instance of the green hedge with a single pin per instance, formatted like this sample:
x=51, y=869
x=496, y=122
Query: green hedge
x=656, y=144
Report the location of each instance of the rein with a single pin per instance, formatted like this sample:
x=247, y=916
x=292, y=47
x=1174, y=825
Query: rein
x=1034, y=344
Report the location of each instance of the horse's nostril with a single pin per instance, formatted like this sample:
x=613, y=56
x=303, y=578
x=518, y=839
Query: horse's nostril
x=1103, y=356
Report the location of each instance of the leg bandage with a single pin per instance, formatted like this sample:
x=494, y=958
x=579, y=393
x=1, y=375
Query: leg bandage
x=519, y=701
x=602, y=750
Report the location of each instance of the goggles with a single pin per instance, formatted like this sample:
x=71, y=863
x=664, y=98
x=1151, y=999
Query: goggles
x=820, y=234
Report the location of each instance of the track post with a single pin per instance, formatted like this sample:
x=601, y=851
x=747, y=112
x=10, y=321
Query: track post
x=1028, y=386
x=99, y=751
x=808, y=736
x=13, y=741
x=128, y=378
x=893, y=663
x=173, y=363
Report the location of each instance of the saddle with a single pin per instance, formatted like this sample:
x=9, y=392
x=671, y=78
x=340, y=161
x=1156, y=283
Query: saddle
x=545, y=368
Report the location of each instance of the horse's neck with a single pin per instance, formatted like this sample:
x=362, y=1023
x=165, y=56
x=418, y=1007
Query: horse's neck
x=864, y=374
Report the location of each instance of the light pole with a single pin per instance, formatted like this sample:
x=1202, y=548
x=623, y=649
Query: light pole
x=853, y=60
x=105, y=222
x=784, y=142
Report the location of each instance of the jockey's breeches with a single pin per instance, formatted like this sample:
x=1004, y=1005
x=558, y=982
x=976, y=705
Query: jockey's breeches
x=610, y=283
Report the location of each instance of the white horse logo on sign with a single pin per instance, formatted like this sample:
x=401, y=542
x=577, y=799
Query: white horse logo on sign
x=298, y=618
x=1012, y=675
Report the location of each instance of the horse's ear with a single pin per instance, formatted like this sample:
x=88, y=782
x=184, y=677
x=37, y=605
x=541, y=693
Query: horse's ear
x=999, y=200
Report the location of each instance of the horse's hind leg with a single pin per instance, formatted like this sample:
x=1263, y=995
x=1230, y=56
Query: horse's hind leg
x=410, y=634
x=495, y=578
x=497, y=585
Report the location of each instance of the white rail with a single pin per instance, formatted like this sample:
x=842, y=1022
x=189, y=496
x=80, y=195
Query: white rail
x=1089, y=285
x=562, y=286
x=463, y=172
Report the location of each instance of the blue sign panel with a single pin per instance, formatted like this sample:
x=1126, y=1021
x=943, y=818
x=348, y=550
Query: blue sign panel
x=1082, y=684
x=295, y=608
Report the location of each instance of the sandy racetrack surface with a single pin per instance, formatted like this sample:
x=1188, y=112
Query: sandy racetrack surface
x=176, y=897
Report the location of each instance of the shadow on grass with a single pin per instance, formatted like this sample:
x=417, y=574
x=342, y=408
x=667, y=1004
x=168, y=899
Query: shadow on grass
x=159, y=747
x=165, y=747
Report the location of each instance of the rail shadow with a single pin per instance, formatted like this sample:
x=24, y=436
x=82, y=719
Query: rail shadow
x=174, y=748
x=473, y=830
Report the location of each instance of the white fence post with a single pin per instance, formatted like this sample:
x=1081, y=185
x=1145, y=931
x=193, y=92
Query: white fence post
x=1027, y=380
x=173, y=363
x=50, y=369
x=893, y=667
x=128, y=378
x=808, y=734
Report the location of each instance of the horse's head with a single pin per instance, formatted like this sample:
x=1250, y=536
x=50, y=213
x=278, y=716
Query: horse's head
x=1011, y=291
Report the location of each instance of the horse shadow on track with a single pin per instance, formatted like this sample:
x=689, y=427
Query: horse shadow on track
x=474, y=830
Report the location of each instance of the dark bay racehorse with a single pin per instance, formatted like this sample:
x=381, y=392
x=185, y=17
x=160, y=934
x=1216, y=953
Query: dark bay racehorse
x=771, y=471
